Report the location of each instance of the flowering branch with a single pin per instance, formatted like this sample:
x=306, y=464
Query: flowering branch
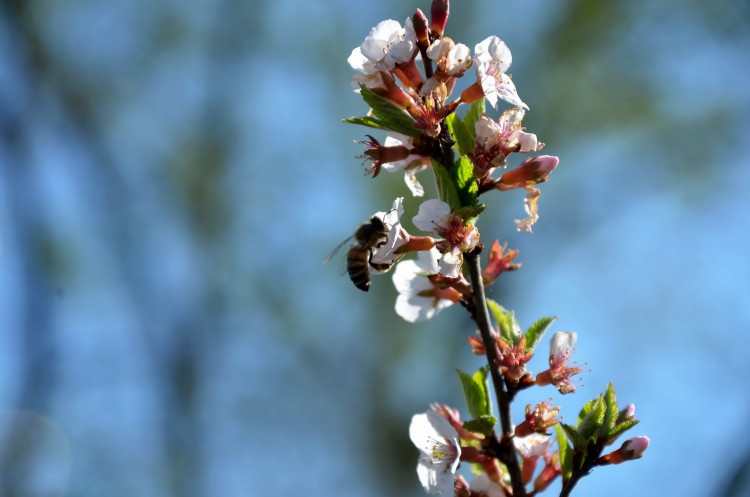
x=469, y=157
x=482, y=317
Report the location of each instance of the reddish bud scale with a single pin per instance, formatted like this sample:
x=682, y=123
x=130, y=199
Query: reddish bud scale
x=499, y=262
x=472, y=93
x=551, y=471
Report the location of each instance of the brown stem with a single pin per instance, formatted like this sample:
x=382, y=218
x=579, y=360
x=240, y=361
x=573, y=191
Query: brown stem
x=505, y=449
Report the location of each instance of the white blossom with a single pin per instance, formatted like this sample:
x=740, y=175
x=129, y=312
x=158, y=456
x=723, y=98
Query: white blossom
x=492, y=58
x=439, y=449
x=418, y=298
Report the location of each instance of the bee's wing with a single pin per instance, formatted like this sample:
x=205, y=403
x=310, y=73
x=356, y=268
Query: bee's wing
x=337, y=249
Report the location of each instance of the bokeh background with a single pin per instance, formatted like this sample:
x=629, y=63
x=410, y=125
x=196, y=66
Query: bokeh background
x=173, y=173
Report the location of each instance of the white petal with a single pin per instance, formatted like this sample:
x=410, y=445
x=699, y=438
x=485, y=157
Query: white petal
x=484, y=485
x=407, y=279
x=506, y=90
x=533, y=446
x=494, y=49
x=427, y=260
x=377, y=40
x=357, y=60
x=429, y=426
x=450, y=265
x=562, y=343
x=410, y=178
x=414, y=309
x=430, y=212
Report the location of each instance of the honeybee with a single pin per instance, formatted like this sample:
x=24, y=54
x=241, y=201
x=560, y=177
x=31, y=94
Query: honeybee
x=369, y=237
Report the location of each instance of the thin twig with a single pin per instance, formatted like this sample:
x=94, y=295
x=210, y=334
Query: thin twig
x=507, y=453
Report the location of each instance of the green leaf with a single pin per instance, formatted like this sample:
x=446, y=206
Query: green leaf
x=536, y=331
x=445, y=186
x=611, y=412
x=565, y=453
x=510, y=331
x=621, y=428
x=589, y=428
x=587, y=407
x=470, y=213
x=572, y=435
x=476, y=392
x=460, y=134
x=369, y=121
x=387, y=115
x=463, y=131
x=483, y=424
x=462, y=174
x=472, y=116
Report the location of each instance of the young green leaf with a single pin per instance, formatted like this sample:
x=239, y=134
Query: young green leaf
x=510, y=331
x=535, y=333
x=590, y=427
x=621, y=428
x=466, y=185
x=565, y=453
x=387, y=115
x=470, y=213
x=611, y=413
x=572, y=435
x=476, y=392
x=464, y=143
x=586, y=409
x=463, y=130
x=445, y=186
x=472, y=116
x=483, y=424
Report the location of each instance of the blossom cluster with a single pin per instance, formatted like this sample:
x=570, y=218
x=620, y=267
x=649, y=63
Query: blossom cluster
x=409, y=76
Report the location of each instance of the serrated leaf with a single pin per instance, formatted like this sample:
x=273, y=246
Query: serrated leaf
x=590, y=427
x=464, y=143
x=466, y=185
x=388, y=115
x=572, y=435
x=536, y=331
x=565, y=453
x=621, y=428
x=510, y=331
x=611, y=412
x=463, y=130
x=369, y=121
x=472, y=116
x=587, y=407
x=470, y=213
x=445, y=186
x=483, y=424
x=476, y=392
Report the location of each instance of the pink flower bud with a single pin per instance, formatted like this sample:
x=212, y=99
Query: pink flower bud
x=627, y=414
x=439, y=12
x=635, y=447
x=630, y=449
x=419, y=21
x=530, y=172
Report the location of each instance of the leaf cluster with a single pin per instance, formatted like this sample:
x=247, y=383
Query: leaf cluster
x=599, y=424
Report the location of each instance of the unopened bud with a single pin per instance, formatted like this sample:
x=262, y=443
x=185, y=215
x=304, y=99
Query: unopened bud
x=630, y=449
x=635, y=447
x=627, y=414
x=530, y=172
x=419, y=21
x=439, y=12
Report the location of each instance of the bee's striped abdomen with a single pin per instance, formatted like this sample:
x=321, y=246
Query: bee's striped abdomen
x=358, y=266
